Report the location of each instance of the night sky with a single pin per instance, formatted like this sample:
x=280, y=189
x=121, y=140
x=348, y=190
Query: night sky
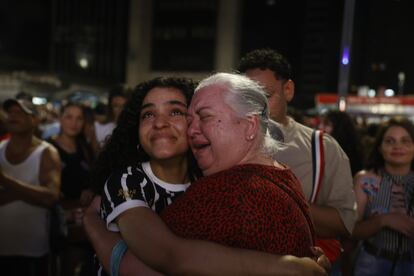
x=383, y=39
x=25, y=34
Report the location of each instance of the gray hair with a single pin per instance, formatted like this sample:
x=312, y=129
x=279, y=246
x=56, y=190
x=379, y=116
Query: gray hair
x=247, y=98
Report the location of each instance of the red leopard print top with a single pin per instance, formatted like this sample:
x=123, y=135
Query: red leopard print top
x=249, y=206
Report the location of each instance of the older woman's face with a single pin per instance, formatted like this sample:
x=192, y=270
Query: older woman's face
x=397, y=147
x=216, y=133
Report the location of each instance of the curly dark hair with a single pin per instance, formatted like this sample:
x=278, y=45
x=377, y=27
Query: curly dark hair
x=266, y=58
x=120, y=149
x=375, y=159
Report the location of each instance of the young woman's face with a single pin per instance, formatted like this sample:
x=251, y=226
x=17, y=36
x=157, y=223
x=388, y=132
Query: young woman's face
x=163, y=124
x=397, y=147
x=72, y=121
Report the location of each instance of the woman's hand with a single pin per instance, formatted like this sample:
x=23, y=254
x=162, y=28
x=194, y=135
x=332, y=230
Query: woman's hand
x=400, y=222
x=321, y=258
x=306, y=266
x=86, y=197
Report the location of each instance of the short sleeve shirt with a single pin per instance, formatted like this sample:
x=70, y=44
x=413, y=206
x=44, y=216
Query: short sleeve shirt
x=136, y=187
x=248, y=206
x=337, y=187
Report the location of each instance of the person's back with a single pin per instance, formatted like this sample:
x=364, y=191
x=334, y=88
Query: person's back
x=254, y=206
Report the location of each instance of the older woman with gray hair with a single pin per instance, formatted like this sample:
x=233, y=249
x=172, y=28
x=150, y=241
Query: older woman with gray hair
x=246, y=199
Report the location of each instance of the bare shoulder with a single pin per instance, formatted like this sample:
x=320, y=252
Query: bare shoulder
x=50, y=154
x=50, y=168
x=367, y=176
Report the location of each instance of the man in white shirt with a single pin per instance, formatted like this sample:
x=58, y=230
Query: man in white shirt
x=29, y=186
x=334, y=212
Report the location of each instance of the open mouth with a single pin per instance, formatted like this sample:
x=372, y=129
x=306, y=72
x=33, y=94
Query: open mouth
x=161, y=137
x=199, y=145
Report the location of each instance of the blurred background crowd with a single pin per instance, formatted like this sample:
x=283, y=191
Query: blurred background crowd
x=77, y=62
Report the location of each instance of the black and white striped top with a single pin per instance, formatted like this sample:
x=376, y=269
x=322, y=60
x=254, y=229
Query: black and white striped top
x=136, y=187
x=394, y=194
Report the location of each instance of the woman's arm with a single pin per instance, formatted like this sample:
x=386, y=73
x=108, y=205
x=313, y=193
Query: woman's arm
x=396, y=221
x=103, y=241
x=152, y=242
x=47, y=193
x=365, y=228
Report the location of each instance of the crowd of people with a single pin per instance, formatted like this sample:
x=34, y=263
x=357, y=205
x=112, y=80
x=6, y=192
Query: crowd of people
x=212, y=178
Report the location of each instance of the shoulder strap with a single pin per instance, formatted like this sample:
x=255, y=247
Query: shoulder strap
x=318, y=163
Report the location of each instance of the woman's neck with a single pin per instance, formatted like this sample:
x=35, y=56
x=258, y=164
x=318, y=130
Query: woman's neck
x=397, y=170
x=67, y=142
x=174, y=171
x=261, y=159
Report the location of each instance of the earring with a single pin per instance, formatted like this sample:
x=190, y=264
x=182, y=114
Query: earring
x=250, y=137
x=138, y=146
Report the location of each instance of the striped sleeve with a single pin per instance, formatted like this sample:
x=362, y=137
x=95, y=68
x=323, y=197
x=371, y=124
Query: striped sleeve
x=124, y=189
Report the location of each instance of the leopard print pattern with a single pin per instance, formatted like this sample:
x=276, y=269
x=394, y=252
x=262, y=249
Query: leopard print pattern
x=249, y=206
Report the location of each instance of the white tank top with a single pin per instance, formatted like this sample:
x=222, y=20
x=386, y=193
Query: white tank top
x=24, y=228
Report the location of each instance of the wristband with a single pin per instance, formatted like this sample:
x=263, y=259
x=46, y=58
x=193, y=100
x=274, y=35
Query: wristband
x=118, y=252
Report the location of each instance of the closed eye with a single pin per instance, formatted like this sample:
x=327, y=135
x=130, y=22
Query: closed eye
x=203, y=118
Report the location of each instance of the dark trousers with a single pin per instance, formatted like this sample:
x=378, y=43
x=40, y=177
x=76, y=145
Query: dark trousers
x=22, y=266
